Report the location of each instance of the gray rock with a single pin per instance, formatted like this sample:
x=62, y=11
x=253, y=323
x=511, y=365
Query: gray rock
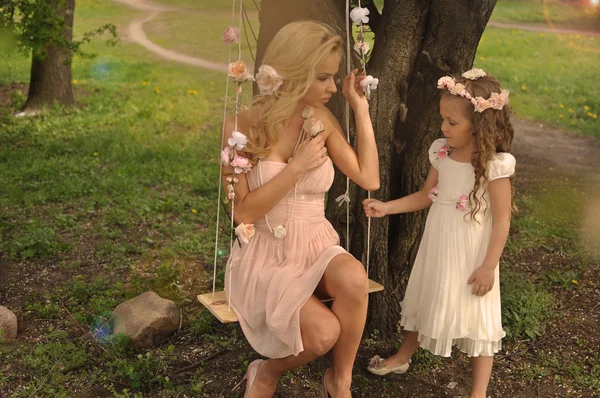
x=8, y=324
x=147, y=319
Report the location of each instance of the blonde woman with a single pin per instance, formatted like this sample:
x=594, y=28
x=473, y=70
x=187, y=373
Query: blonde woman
x=275, y=281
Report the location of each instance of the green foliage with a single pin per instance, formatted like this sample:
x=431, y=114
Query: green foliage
x=32, y=240
x=91, y=302
x=565, y=279
x=144, y=369
x=35, y=25
x=163, y=281
x=525, y=306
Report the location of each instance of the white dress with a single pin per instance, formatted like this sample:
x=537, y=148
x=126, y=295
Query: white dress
x=438, y=303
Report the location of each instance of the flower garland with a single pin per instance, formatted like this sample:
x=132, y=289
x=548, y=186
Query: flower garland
x=359, y=16
x=496, y=100
x=230, y=155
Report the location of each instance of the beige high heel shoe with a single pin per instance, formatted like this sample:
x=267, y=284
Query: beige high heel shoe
x=249, y=377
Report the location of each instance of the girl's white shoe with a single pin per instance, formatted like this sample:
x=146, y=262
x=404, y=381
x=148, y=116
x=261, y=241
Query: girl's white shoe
x=377, y=367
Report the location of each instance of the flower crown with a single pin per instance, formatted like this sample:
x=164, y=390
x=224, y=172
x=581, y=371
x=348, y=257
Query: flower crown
x=496, y=100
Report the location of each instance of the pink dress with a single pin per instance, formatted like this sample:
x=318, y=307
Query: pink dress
x=272, y=278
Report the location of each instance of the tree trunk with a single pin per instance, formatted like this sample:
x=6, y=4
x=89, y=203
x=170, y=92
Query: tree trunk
x=50, y=80
x=417, y=42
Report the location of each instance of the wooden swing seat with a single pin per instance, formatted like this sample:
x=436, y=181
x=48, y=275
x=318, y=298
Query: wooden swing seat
x=217, y=305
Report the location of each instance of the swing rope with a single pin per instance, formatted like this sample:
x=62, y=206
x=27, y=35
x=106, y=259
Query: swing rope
x=214, y=287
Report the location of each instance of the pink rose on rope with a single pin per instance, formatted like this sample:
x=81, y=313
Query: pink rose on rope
x=368, y=84
x=245, y=232
x=359, y=15
x=230, y=192
x=226, y=156
x=231, y=35
x=238, y=140
x=239, y=72
x=240, y=164
x=362, y=48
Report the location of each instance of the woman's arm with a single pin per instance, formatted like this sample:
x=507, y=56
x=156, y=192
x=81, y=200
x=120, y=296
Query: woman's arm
x=362, y=166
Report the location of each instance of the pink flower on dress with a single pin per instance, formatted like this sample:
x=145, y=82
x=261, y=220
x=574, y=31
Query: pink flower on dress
x=443, y=152
x=433, y=194
x=245, y=232
x=464, y=203
x=240, y=164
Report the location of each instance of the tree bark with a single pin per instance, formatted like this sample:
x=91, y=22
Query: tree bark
x=416, y=42
x=51, y=79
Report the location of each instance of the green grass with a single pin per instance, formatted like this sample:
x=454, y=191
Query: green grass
x=552, y=78
x=548, y=12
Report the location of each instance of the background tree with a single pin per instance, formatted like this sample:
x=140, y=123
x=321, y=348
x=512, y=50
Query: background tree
x=416, y=42
x=44, y=29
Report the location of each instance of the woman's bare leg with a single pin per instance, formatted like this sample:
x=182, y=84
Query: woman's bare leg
x=320, y=330
x=346, y=281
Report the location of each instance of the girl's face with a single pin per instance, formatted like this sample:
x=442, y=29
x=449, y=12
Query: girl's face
x=456, y=126
x=323, y=87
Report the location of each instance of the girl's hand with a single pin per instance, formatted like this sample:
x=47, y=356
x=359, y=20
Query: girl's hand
x=311, y=153
x=353, y=92
x=482, y=280
x=374, y=208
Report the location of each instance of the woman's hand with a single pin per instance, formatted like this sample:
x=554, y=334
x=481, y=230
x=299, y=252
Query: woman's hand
x=311, y=153
x=353, y=92
x=374, y=208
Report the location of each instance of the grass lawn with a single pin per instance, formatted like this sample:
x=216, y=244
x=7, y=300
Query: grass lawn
x=552, y=77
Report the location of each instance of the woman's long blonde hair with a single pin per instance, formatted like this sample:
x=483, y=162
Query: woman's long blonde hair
x=295, y=53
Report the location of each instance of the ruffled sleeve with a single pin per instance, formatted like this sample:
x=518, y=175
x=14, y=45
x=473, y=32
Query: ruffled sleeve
x=502, y=165
x=434, y=151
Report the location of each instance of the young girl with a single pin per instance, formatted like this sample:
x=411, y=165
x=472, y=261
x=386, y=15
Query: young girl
x=453, y=294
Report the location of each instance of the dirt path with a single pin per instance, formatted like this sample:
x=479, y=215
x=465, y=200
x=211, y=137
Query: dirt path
x=538, y=145
x=542, y=28
x=136, y=34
